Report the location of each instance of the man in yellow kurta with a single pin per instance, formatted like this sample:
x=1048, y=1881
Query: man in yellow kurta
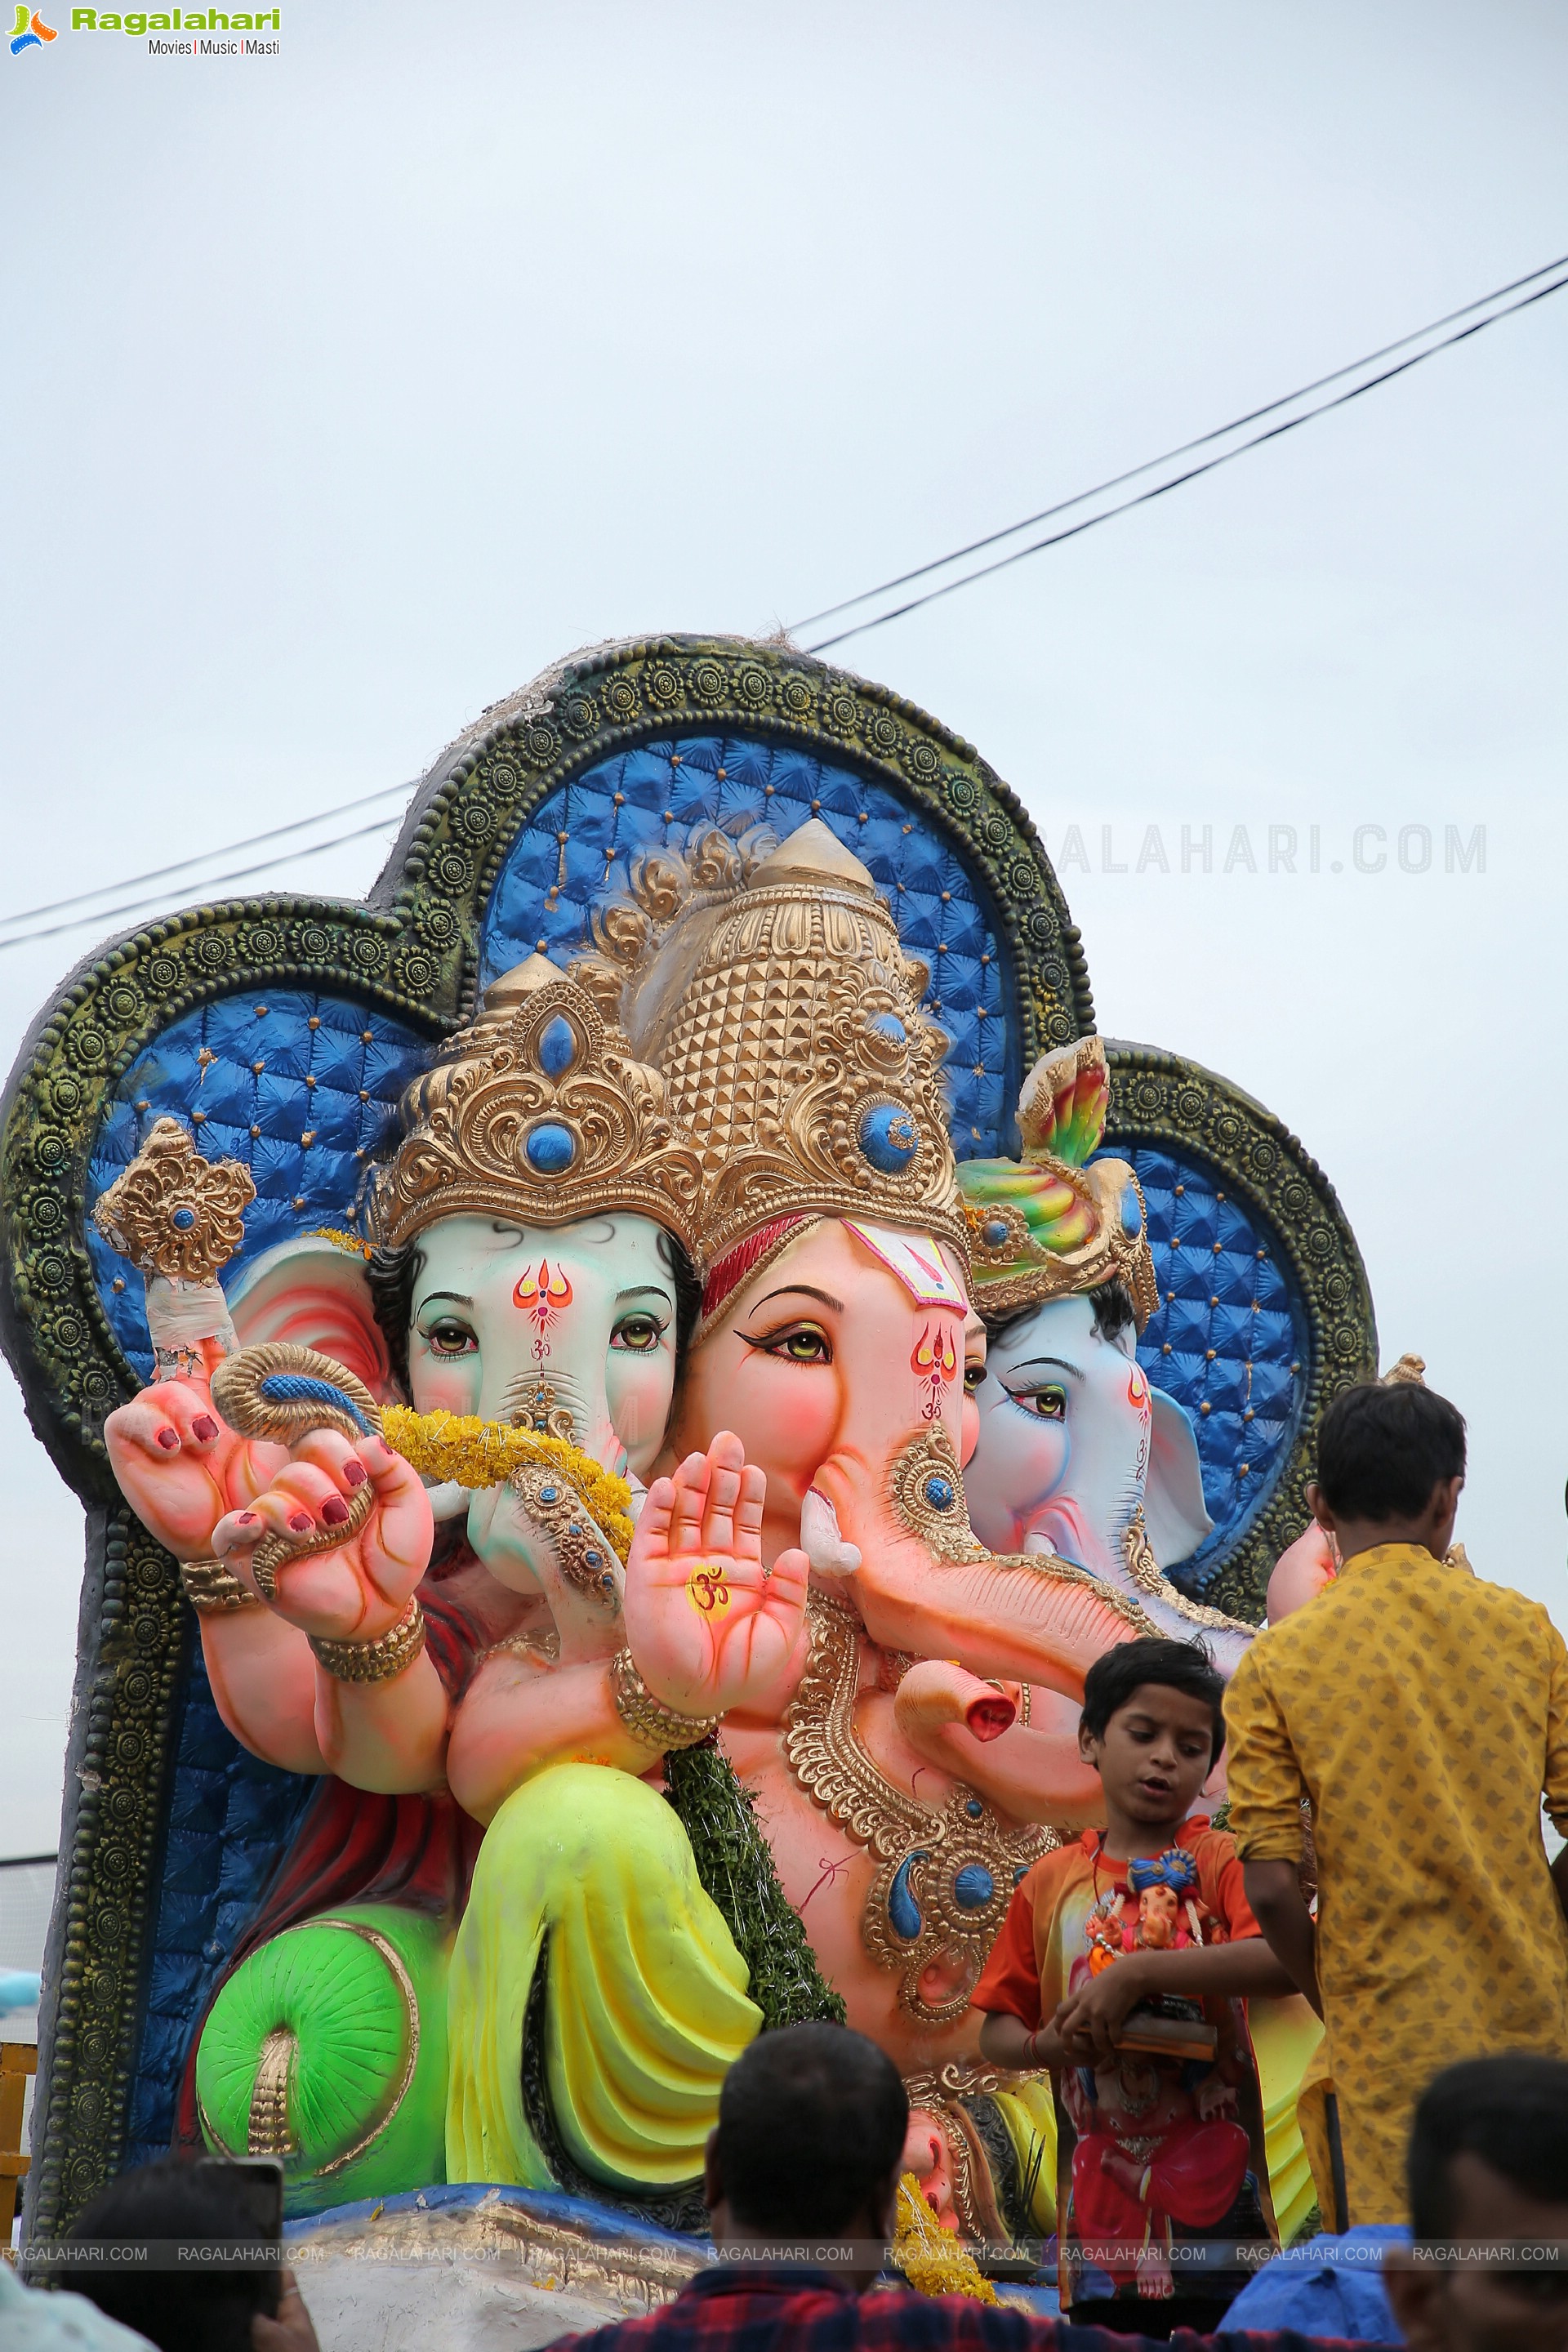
x=1424, y=1715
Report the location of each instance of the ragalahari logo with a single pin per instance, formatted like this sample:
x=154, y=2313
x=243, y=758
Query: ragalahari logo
x=30, y=32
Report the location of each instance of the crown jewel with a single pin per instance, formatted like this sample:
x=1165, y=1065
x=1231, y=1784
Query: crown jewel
x=538, y=1113
x=1055, y=1225
x=774, y=995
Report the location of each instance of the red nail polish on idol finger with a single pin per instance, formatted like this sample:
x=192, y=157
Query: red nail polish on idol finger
x=168, y=1439
x=203, y=1426
x=334, y=1511
x=301, y=1522
x=355, y=1474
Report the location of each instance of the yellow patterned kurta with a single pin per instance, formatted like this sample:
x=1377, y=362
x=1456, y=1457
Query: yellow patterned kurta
x=1425, y=1714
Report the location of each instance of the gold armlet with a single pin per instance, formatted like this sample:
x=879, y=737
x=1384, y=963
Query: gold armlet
x=646, y=1718
x=377, y=1661
x=213, y=1589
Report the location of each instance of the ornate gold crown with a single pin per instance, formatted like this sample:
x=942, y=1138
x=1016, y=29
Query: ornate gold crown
x=538, y=1113
x=773, y=993
x=1055, y=1225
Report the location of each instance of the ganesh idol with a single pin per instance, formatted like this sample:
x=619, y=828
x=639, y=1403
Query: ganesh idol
x=523, y=1662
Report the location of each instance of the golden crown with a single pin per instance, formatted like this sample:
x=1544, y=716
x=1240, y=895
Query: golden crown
x=1056, y=1224
x=538, y=1113
x=773, y=993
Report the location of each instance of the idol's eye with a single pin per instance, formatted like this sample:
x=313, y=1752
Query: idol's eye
x=1046, y=1403
x=975, y=1375
x=797, y=1343
x=450, y=1337
x=640, y=1333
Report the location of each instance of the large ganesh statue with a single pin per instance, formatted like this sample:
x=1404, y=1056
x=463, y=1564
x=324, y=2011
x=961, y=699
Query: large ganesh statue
x=619, y=1388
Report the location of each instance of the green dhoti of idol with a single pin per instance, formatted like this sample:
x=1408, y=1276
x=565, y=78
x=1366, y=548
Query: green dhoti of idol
x=587, y=1872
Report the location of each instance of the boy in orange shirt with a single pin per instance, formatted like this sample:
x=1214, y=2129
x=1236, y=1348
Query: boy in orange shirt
x=1124, y=1965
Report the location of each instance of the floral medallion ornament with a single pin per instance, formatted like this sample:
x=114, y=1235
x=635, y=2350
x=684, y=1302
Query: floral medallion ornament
x=173, y=1213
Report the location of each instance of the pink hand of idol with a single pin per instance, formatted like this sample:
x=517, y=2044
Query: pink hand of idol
x=709, y=1627
x=356, y=1590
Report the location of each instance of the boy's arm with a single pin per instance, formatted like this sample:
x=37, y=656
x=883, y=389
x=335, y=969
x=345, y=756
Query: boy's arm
x=1008, y=2042
x=1094, y=2015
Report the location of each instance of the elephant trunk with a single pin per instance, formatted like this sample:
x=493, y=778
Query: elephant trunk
x=1016, y=1618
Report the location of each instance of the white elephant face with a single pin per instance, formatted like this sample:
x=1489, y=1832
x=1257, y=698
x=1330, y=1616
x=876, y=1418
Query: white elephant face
x=500, y=1312
x=1073, y=1439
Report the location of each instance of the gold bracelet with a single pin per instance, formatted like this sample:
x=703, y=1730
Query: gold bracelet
x=377, y=1661
x=213, y=1589
x=646, y=1718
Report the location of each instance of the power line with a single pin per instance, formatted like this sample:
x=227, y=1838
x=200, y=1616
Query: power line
x=184, y=864
x=107, y=915
x=1191, y=474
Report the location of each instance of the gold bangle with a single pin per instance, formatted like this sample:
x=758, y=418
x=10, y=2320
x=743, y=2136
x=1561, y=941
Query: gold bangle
x=213, y=1589
x=377, y=1661
x=646, y=1718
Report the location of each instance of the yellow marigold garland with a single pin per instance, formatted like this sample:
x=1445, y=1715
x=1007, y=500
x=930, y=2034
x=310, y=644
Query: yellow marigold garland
x=469, y=1451
x=931, y=2258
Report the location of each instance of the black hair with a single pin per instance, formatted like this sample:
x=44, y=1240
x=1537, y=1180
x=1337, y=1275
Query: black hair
x=1110, y=1305
x=1381, y=1451
x=1511, y=2112
x=392, y=1274
x=812, y=2123
x=1188, y=1666
x=177, y=2197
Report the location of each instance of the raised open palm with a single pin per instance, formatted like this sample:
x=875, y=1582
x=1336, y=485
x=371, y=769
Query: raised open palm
x=709, y=1628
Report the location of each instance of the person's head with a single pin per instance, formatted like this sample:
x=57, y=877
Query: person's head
x=1152, y=1727
x=810, y=2137
x=180, y=2310
x=1390, y=1462
x=1488, y=2160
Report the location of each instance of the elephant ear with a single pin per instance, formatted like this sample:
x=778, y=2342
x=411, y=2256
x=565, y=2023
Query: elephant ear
x=314, y=1293
x=1174, y=1514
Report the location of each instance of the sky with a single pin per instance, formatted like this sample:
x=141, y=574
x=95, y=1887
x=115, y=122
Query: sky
x=344, y=388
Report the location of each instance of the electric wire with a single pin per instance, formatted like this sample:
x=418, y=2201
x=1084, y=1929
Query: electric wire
x=1159, y=489
x=226, y=849
x=879, y=620
x=107, y=915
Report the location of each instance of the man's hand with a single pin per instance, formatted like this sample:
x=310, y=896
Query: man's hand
x=1274, y=1891
x=291, y=2331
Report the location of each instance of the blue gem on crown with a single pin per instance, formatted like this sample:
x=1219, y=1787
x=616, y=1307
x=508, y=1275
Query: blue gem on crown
x=890, y=1137
x=549, y=1149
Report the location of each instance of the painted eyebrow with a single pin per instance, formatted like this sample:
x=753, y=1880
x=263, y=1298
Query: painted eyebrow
x=804, y=1290
x=455, y=1296
x=643, y=1290
x=1044, y=1363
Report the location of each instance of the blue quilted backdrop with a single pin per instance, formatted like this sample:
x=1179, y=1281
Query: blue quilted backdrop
x=579, y=842
x=1229, y=1342
x=300, y=1087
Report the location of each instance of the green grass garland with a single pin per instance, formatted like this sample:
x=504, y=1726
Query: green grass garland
x=736, y=1867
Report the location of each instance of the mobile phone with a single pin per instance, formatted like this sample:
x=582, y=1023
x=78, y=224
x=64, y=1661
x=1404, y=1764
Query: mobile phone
x=261, y=2180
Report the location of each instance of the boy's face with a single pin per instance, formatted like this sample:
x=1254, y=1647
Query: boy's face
x=1154, y=1754
x=1476, y=2310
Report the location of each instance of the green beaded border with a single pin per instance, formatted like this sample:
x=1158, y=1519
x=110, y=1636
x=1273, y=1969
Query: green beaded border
x=1166, y=1101
x=411, y=950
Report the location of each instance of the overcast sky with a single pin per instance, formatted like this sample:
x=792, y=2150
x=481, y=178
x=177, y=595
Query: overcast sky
x=344, y=389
